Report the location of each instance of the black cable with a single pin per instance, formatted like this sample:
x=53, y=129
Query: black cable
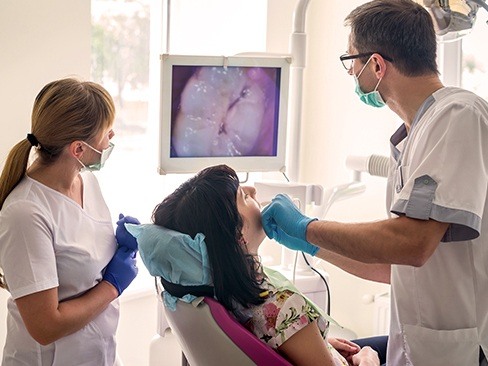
x=323, y=279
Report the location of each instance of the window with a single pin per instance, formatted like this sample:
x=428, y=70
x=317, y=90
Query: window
x=120, y=62
x=127, y=39
x=475, y=57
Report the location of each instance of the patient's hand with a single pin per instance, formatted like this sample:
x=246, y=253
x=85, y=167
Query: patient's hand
x=365, y=357
x=346, y=348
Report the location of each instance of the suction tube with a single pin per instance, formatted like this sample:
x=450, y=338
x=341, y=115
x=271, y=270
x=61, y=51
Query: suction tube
x=376, y=165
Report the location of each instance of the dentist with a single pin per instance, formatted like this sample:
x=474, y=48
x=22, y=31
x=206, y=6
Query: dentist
x=434, y=247
x=60, y=259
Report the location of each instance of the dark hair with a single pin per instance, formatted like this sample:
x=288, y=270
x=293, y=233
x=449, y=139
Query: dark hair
x=207, y=204
x=400, y=29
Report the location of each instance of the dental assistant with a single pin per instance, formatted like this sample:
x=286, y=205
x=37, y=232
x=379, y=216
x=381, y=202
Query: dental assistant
x=434, y=247
x=58, y=252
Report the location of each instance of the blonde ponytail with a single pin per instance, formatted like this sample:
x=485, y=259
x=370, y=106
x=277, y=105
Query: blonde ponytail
x=14, y=169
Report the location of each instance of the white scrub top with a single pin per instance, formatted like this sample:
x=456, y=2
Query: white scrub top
x=439, y=312
x=47, y=240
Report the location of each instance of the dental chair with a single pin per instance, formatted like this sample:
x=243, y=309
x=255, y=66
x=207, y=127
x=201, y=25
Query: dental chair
x=209, y=335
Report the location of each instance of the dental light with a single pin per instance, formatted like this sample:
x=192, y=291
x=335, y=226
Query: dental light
x=453, y=18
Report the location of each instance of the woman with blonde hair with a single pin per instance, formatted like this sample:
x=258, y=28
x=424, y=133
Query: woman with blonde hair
x=59, y=256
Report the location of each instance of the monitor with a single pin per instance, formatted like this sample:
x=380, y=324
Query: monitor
x=223, y=110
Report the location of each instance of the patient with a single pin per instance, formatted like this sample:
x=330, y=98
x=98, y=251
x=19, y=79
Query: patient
x=228, y=215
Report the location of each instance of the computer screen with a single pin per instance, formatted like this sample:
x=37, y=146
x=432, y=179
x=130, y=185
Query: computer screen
x=223, y=110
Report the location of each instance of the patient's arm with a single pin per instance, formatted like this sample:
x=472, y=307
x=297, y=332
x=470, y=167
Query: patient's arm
x=377, y=272
x=307, y=347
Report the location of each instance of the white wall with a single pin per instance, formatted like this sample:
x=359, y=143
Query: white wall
x=40, y=42
x=137, y=327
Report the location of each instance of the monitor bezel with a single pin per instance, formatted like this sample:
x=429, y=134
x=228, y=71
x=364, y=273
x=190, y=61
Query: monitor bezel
x=170, y=165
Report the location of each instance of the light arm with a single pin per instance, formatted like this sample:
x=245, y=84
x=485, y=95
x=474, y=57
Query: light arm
x=307, y=348
x=48, y=320
x=400, y=240
x=369, y=271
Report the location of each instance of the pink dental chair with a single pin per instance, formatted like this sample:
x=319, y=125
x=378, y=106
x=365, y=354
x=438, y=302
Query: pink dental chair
x=209, y=335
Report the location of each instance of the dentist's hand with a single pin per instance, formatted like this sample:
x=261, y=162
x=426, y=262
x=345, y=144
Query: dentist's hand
x=283, y=222
x=121, y=269
x=124, y=238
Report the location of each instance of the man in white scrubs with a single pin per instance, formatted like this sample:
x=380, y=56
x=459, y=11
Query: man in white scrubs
x=433, y=249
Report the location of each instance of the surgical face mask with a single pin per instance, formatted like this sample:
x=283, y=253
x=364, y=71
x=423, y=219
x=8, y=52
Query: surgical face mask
x=104, y=154
x=372, y=98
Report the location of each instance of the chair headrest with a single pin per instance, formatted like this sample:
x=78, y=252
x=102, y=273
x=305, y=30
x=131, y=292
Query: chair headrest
x=180, y=291
x=175, y=257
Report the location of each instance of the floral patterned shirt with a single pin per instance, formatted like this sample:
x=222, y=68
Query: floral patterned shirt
x=283, y=314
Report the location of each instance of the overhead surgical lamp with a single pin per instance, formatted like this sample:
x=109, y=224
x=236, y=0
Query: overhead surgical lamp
x=453, y=18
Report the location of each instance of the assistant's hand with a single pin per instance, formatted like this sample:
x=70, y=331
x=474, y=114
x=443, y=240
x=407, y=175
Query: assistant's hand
x=124, y=238
x=283, y=222
x=122, y=269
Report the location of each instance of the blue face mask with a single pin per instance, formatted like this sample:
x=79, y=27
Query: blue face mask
x=372, y=98
x=104, y=154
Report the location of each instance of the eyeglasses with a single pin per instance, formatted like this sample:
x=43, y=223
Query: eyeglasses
x=347, y=59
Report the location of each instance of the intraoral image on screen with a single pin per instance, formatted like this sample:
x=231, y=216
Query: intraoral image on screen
x=219, y=111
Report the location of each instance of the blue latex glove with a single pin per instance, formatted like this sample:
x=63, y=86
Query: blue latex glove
x=122, y=269
x=283, y=222
x=124, y=238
